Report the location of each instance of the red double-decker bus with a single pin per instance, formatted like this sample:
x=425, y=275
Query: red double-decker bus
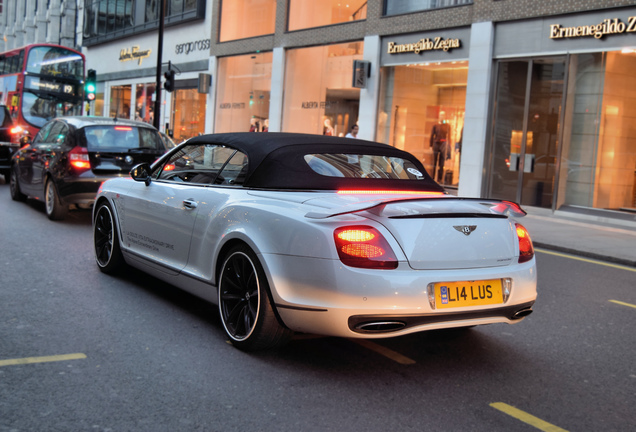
x=41, y=81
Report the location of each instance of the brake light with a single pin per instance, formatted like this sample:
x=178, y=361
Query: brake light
x=364, y=247
x=78, y=158
x=15, y=130
x=386, y=192
x=169, y=167
x=526, y=250
x=123, y=128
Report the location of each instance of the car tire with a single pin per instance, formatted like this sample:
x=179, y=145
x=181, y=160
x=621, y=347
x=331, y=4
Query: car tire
x=55, y=208
x=245, y=306
x=14, y=187
x=106, y=241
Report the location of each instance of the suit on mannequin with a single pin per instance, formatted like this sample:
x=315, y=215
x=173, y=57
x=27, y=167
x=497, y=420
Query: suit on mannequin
x=439, y=141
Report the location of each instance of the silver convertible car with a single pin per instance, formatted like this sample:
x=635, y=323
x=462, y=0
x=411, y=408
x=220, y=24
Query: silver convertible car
x=324, y=235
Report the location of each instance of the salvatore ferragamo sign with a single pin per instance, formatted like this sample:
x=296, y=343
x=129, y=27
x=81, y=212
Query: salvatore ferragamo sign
x=133, y=54
x=607, y=27
x=428, y=44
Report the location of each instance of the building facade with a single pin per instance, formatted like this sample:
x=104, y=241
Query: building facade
x=24, y=22
x=524, y=100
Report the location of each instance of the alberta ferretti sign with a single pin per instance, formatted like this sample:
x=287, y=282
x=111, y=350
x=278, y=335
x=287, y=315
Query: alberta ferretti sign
x=610, y=26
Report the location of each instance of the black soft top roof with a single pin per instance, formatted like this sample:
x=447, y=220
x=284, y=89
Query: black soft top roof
x=276, y=161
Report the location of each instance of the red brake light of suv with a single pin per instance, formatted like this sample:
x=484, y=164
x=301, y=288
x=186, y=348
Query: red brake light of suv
x=78, y=158
x=16, y=133
x=364, y=247
x=526, y=250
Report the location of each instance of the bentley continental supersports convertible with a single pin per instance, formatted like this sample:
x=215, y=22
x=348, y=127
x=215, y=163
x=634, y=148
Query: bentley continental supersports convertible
x=324, y=235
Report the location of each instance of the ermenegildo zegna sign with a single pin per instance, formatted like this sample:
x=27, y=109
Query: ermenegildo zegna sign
x=428, y=44
x=607, y=29
x=610, y=26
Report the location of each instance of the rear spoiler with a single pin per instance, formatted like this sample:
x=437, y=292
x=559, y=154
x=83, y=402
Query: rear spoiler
x=495, y=207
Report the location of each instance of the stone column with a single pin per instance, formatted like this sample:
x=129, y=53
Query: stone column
x=471, y=173
x=10, y=27
x=30, y=22
x=53, y=16
x=67, y=28
x=20, y=21
x=41, y=23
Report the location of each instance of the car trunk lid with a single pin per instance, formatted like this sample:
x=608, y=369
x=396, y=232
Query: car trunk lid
x=439, y=232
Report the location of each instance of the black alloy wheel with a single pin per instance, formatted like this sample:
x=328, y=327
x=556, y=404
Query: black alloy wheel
x=14, y=187
x=107, y=252
x=55, y=208
x=244, y=305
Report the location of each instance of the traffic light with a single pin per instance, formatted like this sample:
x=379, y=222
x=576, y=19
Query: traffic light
x=90, y=87
x=169, y=84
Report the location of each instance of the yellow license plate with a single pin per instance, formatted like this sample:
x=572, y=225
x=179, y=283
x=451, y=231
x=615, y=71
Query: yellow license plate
x=468, y=293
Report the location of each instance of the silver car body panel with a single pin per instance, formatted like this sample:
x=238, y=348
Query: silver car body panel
x=178, y=233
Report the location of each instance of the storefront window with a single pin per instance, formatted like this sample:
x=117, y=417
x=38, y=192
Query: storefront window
x=310, y=13
x=396, y=7
x=144, y=104
x=422, y=111
x=120, y=101
x=97, y=106
x=598, y=161
x=243, y=93
x=242, y=19
x=188, y=114
x=319, y=98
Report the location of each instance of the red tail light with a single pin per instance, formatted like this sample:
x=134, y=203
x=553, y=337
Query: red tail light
x=365, y=247
x=78, y=158
x=526, y=251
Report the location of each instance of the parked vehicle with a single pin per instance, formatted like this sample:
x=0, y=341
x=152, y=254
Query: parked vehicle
x=316, y=234
x=10, y=134
x=70, y=157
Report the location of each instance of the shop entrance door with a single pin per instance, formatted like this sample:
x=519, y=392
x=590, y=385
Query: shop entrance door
x=526, y=132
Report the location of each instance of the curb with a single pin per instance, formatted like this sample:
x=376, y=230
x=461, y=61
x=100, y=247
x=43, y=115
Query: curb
x=591, y=255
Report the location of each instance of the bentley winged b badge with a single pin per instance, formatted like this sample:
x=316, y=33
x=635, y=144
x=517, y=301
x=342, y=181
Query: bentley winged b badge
x=465, y=229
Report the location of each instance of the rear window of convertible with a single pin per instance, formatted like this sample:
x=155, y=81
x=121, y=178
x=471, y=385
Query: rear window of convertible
x=363, y=166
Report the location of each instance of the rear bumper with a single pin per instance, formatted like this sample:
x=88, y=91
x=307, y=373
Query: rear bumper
x=80, y=190
x=7, y=150
x=325, y=297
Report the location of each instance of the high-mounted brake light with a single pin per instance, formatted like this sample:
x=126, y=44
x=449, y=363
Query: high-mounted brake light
x=78, y=158
x=526, y=250
x=364, y=247
x=508, y=208
x=123, y=128
x=385, y=192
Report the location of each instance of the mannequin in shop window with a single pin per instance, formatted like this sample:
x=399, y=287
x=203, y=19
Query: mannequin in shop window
x=439, y=142
x=327, y=129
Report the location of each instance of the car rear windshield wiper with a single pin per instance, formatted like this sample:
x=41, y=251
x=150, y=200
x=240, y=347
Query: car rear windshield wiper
x=142, y=150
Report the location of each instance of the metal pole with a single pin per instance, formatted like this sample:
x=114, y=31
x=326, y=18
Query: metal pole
x=155, y=117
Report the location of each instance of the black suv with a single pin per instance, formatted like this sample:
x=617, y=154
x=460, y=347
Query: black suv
x=70, y=157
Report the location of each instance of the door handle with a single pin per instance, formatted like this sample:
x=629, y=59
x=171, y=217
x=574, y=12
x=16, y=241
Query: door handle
x=190, y=204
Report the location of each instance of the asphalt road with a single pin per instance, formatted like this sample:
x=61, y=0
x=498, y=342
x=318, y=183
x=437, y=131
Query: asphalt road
x=83, y=351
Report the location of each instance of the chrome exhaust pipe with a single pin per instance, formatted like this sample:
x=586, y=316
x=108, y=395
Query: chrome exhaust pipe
x=522, y=313
x=380, y=326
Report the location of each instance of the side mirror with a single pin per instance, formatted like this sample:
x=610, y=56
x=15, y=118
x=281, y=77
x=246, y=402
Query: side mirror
x=141, y=172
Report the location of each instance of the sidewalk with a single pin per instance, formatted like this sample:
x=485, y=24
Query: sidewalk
x=590, y=236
